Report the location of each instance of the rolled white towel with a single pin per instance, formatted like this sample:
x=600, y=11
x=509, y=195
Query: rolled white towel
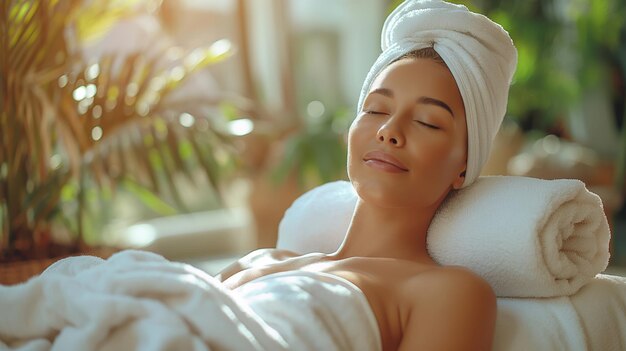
x=527, y=237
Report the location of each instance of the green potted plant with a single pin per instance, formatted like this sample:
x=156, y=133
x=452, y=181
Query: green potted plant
x=68, y=126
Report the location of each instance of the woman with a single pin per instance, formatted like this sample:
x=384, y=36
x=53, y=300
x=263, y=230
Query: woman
x=428, y=112
x=429, y=109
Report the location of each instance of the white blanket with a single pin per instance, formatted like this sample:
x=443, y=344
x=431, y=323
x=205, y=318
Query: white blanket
x=140, y=301
x=527, y=237
x=601, y=307
x=593, y=319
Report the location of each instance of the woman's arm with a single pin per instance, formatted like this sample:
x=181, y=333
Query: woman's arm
x=454, y=310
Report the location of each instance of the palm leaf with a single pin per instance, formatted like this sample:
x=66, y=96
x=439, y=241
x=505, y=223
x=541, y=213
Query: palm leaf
x=99, y=119
x=172, y=144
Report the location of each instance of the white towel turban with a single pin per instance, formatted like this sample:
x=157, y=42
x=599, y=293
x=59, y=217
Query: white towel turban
x=479, y=53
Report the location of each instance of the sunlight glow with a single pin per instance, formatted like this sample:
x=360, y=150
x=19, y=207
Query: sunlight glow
x=132, y=89
x=143, y=109
x=177, y=73
x=551, y=144
x=140, y=235
x=97, y=111
x=194, y=57
x=96, y=133
x=92, y=72
x=90, y=91
x=186, y=120
x=220, y=47
x=63, y=80
x=241, y=127
x=83, y=106
x=521, y=164
x=84, y=92
x=157, y=83
x=55, y=161
x=315, y=109
x=79, y=93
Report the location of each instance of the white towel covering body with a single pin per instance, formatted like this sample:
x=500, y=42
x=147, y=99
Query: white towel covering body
x=527, y=237
x=328, y=304
x=140, y=301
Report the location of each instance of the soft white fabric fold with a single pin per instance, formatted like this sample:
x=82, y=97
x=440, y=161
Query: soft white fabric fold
x=593, y=319
x=601, y=307
x=538, y=324
x=478, y=52
x=527, y=237
x=302, y=301
x=140, y=301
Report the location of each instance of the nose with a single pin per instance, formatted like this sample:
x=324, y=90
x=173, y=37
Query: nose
x=391, y=133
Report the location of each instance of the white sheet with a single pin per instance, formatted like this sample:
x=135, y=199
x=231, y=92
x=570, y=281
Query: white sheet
x=593, y=319
x=601, y=306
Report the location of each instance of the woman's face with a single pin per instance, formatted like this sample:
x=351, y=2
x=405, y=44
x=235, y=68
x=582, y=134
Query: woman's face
x=408, y=145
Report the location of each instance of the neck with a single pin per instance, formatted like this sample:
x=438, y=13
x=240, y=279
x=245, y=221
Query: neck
x=398, y=233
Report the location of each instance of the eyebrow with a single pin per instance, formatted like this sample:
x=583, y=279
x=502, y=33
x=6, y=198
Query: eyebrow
x=422, y=100
x=436, y=102
x=383, y=91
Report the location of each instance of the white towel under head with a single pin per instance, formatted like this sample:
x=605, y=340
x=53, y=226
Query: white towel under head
x=478, y=52
x=527, y=237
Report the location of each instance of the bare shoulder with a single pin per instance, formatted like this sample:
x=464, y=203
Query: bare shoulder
x=256, y=258
x=453, y=280
x=452, y=309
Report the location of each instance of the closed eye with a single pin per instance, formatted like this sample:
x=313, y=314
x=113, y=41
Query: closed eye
x=375, y=112
x=431, y=126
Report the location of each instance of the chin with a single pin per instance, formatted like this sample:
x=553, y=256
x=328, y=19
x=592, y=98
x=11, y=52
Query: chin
x=392, y=195
x=376, y=193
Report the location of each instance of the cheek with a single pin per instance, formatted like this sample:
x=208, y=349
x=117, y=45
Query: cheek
x=441, y=160
x=353, y=152
x=454, y=154
x=359, y=135
x=452, y=149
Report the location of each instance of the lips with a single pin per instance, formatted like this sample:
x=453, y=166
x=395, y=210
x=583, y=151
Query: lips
x=384, y=162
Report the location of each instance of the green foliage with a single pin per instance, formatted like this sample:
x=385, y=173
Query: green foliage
x=72, y=133
x=317, y=153
x=565, y=48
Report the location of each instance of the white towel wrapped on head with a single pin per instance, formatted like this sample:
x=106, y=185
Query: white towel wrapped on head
x=479, y=53
x=527, y=237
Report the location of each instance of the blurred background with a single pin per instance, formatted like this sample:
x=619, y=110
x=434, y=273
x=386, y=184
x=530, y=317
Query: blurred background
x=187, y=127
